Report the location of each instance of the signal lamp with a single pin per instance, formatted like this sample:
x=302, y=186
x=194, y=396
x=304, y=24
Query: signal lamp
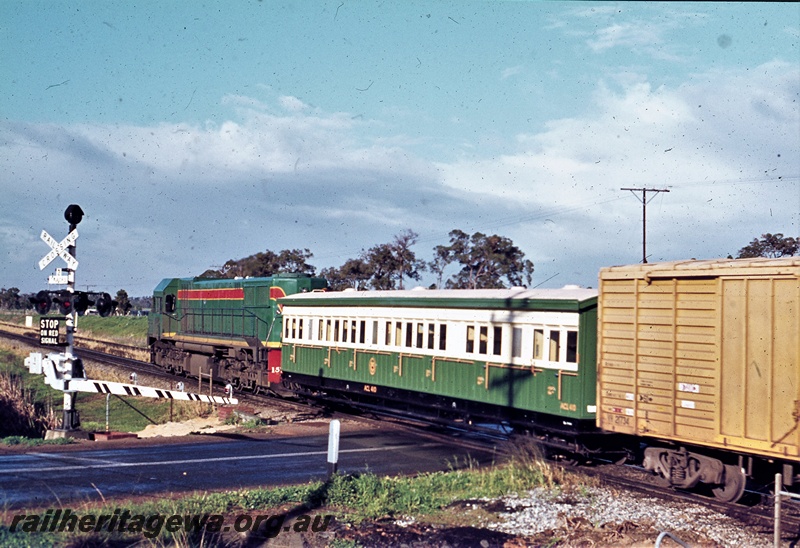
x=64, y=302
x=73, y=214
x=105, y=305
x=42, y=302
x=81, y=302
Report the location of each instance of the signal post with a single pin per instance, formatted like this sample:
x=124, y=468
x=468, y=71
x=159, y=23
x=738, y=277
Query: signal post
x=64, y=371
x=67, y=363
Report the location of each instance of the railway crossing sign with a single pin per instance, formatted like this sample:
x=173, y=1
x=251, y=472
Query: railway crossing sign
x=59, y=249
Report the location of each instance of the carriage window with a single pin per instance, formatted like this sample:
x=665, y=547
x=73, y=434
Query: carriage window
x=470, y=339
x=516, y=342
x=431, y=333
x=374, y=332
x=398, y=333
x=484, y=339
x=538, y=344
x=554, y=346
x=420, y=334
x=362, y=331
x=442, y=336
x=336, y=330
x=286, y=329
x=572, y=346
x=498, y=341
x=388, y=333
x=321, y=332
x=328, y=329
x=409, y=334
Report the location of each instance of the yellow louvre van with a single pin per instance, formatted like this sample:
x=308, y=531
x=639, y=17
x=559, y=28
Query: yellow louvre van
x=703, y=353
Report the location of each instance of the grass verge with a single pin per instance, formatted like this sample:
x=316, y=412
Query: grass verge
x=352, y=499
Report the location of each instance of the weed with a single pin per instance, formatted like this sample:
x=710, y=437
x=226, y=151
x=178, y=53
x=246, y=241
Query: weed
x=33, y=442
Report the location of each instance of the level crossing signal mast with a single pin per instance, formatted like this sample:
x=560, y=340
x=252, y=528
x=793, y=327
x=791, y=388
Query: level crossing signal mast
x=64, y=371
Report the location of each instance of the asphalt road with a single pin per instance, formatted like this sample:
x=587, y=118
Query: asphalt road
x=43, y=478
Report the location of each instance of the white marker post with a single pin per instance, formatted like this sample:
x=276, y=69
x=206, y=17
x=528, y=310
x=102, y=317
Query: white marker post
x=333, y=447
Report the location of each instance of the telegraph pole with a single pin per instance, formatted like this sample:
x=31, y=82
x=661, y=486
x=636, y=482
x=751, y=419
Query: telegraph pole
x=645, y=201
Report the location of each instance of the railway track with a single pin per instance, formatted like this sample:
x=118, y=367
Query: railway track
x=758, y=514
x=118, y=356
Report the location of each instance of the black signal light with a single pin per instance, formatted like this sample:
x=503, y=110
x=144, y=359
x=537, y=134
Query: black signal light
x=42, y=302
x=105, y=305
x=64, y=301
x=81, y=302
x=73, y=214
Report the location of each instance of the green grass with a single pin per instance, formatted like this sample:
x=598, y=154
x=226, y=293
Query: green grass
x=13, y=364
x=134, y=415
x=353, y=498
x=29, y=442
x=123, y=329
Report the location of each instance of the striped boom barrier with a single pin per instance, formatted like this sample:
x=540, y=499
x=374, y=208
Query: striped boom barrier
x=123, y=389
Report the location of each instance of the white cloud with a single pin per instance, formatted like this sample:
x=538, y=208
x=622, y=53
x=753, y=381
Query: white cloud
x=292, y=104
x=175, y=199
x=510, y=71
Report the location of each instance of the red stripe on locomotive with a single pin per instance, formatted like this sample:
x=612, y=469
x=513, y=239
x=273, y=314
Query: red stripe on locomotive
x=230, y=294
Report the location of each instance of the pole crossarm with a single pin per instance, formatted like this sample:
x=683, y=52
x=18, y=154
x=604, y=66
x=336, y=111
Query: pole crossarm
x=644, y=201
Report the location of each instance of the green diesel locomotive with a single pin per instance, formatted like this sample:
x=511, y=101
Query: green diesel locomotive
x=227, y=330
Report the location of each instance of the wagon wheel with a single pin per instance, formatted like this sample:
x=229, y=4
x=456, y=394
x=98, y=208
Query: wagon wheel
x=733, y=488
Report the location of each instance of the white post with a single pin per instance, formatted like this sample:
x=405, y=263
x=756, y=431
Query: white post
x=777, y=534
x=333, y=447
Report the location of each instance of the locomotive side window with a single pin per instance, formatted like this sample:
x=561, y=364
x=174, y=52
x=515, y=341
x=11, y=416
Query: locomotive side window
x=169, y=303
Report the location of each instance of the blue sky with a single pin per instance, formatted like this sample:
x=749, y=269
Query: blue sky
x=191, y=133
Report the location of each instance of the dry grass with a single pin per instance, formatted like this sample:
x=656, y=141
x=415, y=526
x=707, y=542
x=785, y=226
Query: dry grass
x=20, y=414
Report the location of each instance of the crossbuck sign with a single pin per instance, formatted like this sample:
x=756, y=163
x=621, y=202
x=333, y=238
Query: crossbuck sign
x=59, y=249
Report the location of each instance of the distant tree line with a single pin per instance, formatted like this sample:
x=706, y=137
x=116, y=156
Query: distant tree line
x=480, y=261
